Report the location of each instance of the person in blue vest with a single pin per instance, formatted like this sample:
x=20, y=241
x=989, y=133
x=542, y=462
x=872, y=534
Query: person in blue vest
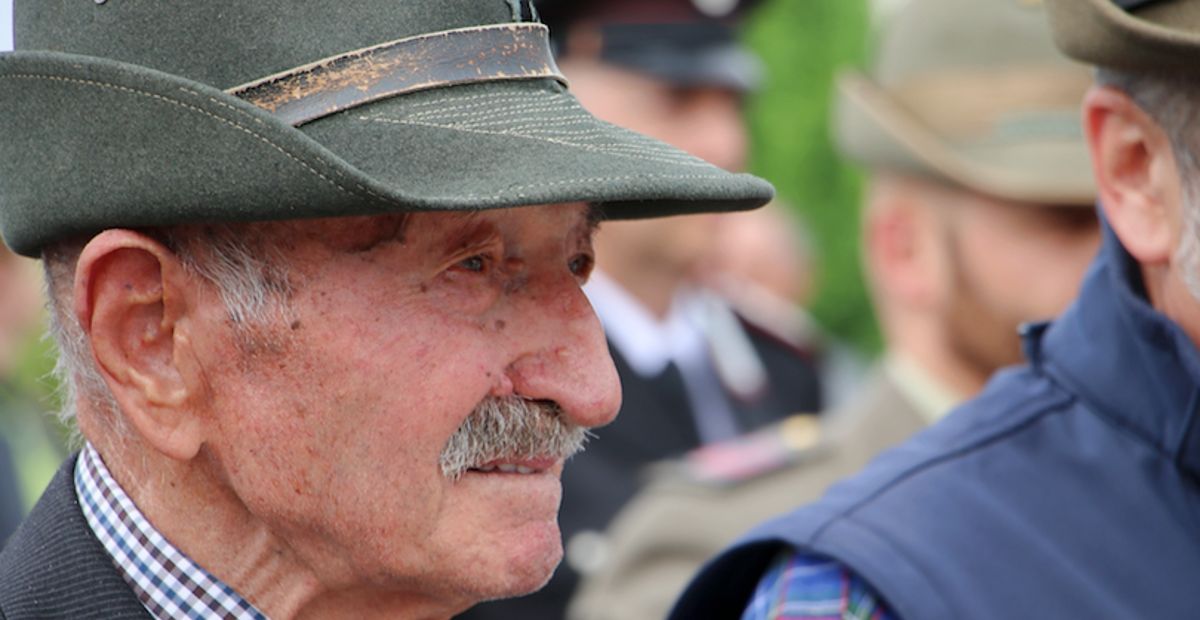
x=1070, y=488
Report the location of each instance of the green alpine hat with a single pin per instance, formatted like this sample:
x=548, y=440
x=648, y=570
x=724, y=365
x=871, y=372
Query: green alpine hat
x=132, y=113
x=1132, y=35
x=973, y=93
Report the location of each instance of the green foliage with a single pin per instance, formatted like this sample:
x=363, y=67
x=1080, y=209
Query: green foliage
x=33, y=375
x=803, y=43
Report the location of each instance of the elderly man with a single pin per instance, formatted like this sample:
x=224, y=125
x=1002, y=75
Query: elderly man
x=321, y=364
x=955, y=264
x=1068, y=489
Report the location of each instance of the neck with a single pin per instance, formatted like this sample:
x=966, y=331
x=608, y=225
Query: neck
x=924, y=344
x=206, y=521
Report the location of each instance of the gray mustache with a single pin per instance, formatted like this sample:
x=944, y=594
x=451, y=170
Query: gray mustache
x=510, y=428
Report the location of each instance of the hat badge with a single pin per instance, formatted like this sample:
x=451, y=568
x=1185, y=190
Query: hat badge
x=523, y=11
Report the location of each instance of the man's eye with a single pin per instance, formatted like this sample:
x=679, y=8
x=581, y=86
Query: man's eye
x=581, y=265
x=477, y=264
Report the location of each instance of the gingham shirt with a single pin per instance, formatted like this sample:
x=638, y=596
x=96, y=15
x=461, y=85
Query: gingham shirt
x=169, y=584
x=809, y=587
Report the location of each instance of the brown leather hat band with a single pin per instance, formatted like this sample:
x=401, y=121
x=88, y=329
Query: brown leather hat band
x=466, y=56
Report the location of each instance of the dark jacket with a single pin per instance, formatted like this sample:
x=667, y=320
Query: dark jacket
x=1068, y=489
x=10, y=493
x=54, y=567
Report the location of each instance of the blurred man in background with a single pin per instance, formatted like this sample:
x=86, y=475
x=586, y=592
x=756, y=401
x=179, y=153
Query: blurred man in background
x=692, y=370
x=1068, y=488
x=977, y=218
x=765, y=263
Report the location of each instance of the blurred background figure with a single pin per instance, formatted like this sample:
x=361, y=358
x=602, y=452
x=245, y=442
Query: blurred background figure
x=27, y=454
x=978, y=218
x=764, y=263
x=764, y=258
x=693, y=370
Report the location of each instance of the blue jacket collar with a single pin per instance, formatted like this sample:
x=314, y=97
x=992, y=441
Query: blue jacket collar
x=1125, y=359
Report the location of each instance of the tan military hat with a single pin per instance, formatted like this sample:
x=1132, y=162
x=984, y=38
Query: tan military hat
x=1139, y=35
x=972, y=92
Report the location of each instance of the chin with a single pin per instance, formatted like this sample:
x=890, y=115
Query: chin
x=528, y=568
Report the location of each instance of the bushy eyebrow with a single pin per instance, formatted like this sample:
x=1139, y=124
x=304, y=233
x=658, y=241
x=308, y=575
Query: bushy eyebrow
x=472, y=230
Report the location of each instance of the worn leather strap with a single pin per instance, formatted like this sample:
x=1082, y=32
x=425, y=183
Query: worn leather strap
x=469, y=55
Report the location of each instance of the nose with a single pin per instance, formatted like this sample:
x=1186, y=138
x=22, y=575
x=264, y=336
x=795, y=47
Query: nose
x=565, y=356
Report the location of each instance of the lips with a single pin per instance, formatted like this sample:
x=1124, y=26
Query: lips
x=521, y=466
x=505, y=469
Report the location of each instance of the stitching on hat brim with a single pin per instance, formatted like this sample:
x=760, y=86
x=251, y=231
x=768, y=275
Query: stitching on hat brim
x=508, y=193
x=583, y=147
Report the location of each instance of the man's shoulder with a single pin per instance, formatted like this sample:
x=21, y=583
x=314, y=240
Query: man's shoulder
x=53, y=566
x=895, y=491
x=1015, y=401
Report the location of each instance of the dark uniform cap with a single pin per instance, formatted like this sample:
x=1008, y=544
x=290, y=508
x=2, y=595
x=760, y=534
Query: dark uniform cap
x=1153, y=36
x=131, y=113
x=683, y=42
x=972, y=93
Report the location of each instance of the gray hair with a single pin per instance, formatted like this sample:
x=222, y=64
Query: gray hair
x=1173, y=103
x=250, y=277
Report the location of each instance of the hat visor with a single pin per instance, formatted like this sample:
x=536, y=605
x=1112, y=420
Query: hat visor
x=1044, y=167
x=93, y=144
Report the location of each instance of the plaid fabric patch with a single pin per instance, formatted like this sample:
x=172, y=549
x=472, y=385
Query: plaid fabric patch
x=807, y=587
x=168, y=583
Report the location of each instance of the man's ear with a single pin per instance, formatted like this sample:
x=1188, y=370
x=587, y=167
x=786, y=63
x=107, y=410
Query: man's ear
x=899, y=244
x=130, y=298
x=1135, y=172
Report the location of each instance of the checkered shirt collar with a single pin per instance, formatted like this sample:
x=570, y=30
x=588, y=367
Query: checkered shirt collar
x=169, y=584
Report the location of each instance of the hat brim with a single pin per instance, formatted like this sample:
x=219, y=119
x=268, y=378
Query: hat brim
x=876, y=130
x=91, y=144
x=1157, y=37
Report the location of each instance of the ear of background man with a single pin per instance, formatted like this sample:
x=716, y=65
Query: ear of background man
x=1132, y=160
